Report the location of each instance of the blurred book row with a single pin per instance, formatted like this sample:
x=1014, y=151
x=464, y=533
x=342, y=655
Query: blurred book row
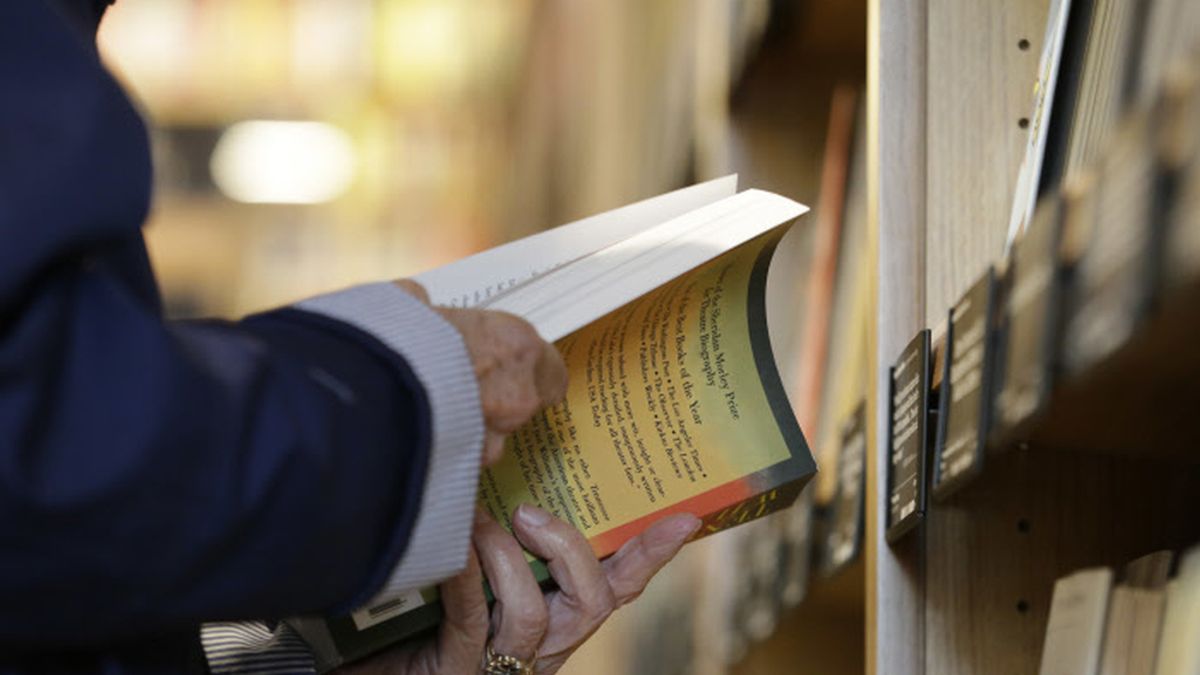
x=732, y=591
x=1142, y=622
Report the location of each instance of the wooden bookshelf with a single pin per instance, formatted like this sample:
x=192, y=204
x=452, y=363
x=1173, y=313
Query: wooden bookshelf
x=896, y=148
x=1108, y=471
x=1136, y=402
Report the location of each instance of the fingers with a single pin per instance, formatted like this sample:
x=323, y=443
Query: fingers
x=519, y=615
x=414, y=289
x=493, y=447
x=631, y=568
x=550, y=374
x=464, y=628
x=460, y=640
x=571, y=561
x=519, y=373
x=588, y=590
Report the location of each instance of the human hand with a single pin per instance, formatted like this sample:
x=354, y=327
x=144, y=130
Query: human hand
x=519, y=373
x=458, y=646
x=539, y=628
x=548, y=628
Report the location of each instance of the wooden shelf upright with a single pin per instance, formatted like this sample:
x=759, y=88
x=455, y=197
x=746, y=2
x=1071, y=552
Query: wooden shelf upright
x=949, y=99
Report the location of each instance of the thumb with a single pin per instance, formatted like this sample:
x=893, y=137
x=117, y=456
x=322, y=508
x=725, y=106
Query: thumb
x=464, y=628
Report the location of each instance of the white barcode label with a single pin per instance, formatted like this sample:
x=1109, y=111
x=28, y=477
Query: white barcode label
x=382, y=611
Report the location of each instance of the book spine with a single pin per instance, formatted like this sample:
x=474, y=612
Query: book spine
x=752, y=508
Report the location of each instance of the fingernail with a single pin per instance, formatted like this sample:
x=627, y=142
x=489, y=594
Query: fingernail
x=532, y=515
x=666, y=536
x=677, y=530
x=684, y=526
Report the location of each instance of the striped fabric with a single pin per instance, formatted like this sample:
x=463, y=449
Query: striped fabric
x=438, y=546
x=438, y=357
x=250, y=647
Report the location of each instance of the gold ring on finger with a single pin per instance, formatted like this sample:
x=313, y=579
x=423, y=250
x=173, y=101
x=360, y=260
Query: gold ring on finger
x=503, y=664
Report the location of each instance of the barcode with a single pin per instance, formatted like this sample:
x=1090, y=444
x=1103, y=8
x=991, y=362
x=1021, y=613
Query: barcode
x=385, y=607
x=374, y=614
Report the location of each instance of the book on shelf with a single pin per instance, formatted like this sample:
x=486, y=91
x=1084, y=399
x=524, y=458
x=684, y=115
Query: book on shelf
x=845, y=521
x=1027, y=334
x=1179, y=645
x=1147, y=624
x=1114, y=234
x=1115, y=56
x=1149, y=571
x=1089, y=93
x=1131, y=636
x=1181, y=140
x=1025, y=193
x=841, y=138
x=846, y=378
x=1075, y=629
x=1135, y=615
x=1099, y=58
x=1167, y=30
x=674, y=404
x=796, y=529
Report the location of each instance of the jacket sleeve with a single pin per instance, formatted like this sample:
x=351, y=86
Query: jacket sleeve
x=153, y=474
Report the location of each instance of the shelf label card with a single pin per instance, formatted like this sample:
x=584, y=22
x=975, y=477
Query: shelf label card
x=966, y=380
x=907, y=436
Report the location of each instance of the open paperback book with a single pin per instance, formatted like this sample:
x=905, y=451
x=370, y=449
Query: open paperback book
x=674, y=402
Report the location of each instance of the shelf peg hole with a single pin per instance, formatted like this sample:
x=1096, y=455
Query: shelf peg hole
x=1023, y=525
x=1023, y=44
x=1023, y=122
x=1022, y=606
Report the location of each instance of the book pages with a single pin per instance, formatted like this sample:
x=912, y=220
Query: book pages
x=570, y=297
x=474, y=279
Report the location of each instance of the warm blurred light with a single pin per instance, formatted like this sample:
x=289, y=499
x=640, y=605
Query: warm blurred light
x=330, y=43
x=148, y=41
x=280, y=162
x=423, y=46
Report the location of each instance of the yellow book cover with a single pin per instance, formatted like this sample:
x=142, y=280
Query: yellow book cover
x=674, y=405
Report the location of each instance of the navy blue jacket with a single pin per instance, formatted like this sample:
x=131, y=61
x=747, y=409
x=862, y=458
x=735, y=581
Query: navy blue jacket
x=157, y=474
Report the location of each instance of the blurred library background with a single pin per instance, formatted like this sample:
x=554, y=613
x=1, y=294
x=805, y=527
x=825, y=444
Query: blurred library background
x=954, y=154
x=306, y=145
